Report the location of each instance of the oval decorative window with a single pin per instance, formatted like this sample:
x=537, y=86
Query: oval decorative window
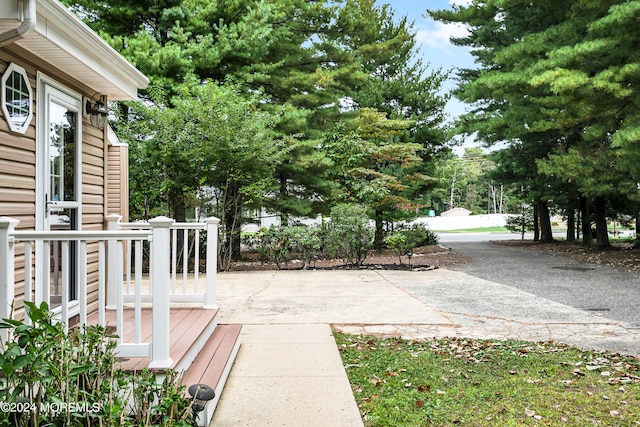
x=16, y=98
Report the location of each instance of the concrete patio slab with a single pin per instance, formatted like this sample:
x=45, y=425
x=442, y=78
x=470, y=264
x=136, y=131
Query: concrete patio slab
x=334, y=296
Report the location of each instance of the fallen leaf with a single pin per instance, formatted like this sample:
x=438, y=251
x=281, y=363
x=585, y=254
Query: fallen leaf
x=377, y=381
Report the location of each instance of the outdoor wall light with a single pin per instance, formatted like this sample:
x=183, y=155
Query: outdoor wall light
x=201, y=394
x=97, y=113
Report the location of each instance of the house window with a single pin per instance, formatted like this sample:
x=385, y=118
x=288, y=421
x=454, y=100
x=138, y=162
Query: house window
x=16, y=98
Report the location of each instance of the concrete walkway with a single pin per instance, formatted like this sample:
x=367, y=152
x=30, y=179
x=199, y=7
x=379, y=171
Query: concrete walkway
x=289, y=373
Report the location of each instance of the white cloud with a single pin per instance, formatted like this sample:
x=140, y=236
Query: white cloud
x=438, y=37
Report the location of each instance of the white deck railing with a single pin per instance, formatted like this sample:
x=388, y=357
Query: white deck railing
x=115, y=248
x=187, y=284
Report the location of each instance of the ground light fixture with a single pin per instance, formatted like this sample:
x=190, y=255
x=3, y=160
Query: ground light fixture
x=97, y=112
x=201, y=394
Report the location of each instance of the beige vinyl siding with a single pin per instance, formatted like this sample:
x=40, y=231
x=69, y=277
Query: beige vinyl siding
x=93, y=177
x=18, y=164
x=117, y=181
x=18, y=178
x=18, y=171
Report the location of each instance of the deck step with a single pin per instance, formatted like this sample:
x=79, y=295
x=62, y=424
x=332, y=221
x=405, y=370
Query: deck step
x=213, y=364
x=191, y=328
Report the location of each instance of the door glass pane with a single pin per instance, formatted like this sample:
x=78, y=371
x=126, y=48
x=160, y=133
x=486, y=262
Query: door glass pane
x=62, y=188
x=62, y=153
x=63, y=219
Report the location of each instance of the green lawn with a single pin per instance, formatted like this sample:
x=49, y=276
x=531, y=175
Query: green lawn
x=467, y=382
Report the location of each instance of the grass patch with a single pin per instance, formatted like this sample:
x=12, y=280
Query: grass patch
x=468, y=382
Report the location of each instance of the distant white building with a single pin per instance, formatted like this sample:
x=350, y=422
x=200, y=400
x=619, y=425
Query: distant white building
x=456, y=212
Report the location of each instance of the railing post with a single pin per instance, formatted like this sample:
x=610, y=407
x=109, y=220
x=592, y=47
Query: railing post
x=159, y=272
x=212, y=263
x=7, y=263
x=113, y=281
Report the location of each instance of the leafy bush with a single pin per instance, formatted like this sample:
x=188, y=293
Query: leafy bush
x=273, y=244
x=407, y=238
x=306, y=242
x=397, y=241
x=421, y=235
x=281, y=244
x=349, y=235
x=54, y=377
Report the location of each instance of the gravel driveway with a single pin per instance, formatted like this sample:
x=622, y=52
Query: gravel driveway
x=594, y=288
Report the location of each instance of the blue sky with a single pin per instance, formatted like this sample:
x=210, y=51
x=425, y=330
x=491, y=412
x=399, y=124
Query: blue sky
x=433, y=38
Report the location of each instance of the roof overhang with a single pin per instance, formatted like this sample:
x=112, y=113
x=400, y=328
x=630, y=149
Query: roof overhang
x=64, y=41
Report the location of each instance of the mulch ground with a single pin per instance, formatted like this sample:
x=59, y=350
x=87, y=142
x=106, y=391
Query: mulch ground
x=425, y=257
x=620, y=255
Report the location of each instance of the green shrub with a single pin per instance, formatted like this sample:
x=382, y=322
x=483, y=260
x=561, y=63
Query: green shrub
x=53, y=377
x=281, y=244
x=407, y=238
x=397, y=242
x=420, y=235
x=306, y=243
x=349, y=234
x=273, y=244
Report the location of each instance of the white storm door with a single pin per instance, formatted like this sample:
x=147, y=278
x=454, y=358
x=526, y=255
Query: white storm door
x=58, y=190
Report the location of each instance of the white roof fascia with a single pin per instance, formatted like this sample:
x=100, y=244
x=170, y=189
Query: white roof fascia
x=104, y=69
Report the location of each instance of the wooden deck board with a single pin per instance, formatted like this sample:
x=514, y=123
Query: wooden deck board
x=186, y=326
x=212, y=360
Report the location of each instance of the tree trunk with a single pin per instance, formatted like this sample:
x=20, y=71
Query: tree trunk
x=546, y=234
x=232, y=211
x=578, y=224
x=637, y=243
x=179, y=214
x=536, y=223
x=179, y=210
x=602, y=232
x=453, y=188
x=379, y=233
x=571, y=225
x=586, y=221
x=233, y=225
x=284, y=217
